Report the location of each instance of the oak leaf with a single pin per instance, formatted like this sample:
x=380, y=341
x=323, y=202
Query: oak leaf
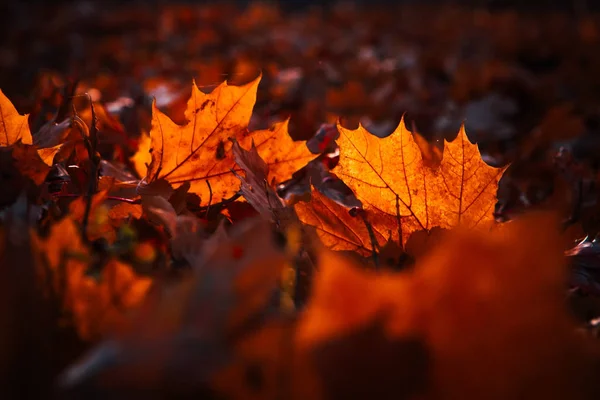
x=13, y=126
x=392, y=178
x=199, y=151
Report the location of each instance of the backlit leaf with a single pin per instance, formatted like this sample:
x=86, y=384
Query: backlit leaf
x=338, y=229
x=391, y=178
x=13, y=126
x=199, y=151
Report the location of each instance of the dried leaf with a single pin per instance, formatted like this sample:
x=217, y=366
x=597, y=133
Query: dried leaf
x=339, y=230
x=47, y=154
x=199, y=152
x=13, y=126
x=282, y=155
x=392, y=179
x=52, y=134
x=125, y=211
x=255, y=188
x=28, y=162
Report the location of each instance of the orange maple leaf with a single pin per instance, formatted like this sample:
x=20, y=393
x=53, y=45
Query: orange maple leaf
x=13, y=126
x=199, y=151
x=340, y=231
x=393, y=180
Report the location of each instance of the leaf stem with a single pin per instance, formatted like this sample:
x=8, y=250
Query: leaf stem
x=371, y=237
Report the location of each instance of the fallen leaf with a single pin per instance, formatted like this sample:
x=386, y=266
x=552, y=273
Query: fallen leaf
x=256, y=189
x=29, y=163
x=282, y=155
x=13, y=126
x=340, y=230
x=199, y=151
x=125, y=211
x=391, y=178
x=52, y=134
x=47, y=154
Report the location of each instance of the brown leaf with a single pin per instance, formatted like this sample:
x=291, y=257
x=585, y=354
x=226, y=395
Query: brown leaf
x=52, y=134
x=255, y=187
x=29, y=163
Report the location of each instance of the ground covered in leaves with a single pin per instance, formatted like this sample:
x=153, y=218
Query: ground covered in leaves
x=208, y=201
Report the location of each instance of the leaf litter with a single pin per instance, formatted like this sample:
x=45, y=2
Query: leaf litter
x=211, y=245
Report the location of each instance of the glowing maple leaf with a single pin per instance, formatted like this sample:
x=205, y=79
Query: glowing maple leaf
x=282, y=155
x=199, y=152
x=338, y=229
x=391, y=178
x=13, y=126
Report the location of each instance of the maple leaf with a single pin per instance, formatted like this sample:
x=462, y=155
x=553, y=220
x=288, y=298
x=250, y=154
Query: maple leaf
x=199, y=151
x=392, y=178
x=282, y=155
x=13, y=126
x=340, y=230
